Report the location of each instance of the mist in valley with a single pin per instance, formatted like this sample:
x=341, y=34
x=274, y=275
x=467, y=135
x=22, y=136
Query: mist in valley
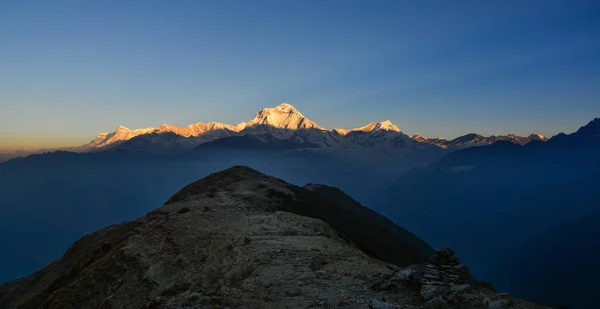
x=51, y=200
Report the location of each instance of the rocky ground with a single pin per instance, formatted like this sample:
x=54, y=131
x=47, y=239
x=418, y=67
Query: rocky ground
x=230, y=243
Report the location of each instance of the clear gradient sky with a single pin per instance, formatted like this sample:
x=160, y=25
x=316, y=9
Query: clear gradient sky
x=72, y=69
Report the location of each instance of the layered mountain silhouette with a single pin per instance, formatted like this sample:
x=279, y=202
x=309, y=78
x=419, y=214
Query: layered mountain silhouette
x=242, y=239
x=588, y=135
x=509, y=194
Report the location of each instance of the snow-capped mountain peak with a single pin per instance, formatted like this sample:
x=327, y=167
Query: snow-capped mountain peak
x=283, y=116
x=119, y=134
x=368, y=128
x=384, y=125
x=285, y=108
x=121, y=129
x=387, y=125
x=197, y=129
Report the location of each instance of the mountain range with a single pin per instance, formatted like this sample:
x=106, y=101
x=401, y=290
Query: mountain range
x=474, y=139
x=285, y=122
x=270, y=128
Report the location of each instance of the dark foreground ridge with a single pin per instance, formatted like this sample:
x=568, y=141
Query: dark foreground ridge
x=372, y=233
x=241, y=239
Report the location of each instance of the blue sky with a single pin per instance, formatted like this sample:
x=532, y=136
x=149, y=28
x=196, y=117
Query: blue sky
x=72, y=69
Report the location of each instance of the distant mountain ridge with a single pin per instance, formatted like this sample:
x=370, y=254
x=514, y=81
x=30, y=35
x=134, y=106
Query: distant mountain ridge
x=282, y=122
x=474, y=139
x=286, y=122
x=586, y=135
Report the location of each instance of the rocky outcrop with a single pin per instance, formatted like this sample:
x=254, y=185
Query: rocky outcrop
x=444, y=282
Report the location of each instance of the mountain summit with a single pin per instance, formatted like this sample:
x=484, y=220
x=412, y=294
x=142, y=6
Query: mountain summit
x=282, y=116
x=384, y=125
x=242, y=239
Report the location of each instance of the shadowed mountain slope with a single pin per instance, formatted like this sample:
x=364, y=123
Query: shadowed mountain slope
x=500, y=198
x=370, y=225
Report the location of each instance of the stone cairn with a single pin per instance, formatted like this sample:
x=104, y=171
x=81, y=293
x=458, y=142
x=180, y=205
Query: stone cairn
x=443, y=283
x=443, y=275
